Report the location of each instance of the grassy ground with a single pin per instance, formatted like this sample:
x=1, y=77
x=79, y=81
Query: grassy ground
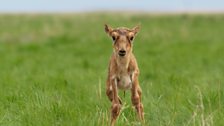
x=53, y=69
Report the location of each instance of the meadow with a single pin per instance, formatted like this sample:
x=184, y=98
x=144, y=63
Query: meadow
x=53, y=69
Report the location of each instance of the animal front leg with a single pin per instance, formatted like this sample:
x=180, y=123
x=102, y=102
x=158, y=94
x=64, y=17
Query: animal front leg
x=116, y=105
x=136, y=99
x=109, y=92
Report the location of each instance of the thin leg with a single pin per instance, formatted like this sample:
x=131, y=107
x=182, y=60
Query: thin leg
x=110, y=96
x=109, y=89
x=109, y=93
x=116, y=106
x=136, y=100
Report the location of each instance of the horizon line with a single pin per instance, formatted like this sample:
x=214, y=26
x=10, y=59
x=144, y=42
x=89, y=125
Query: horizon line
x=118, y=11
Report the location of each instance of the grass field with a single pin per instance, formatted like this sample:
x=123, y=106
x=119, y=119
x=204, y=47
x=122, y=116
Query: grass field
x=53, y=69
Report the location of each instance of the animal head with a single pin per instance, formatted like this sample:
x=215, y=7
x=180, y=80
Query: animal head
x=122, y=39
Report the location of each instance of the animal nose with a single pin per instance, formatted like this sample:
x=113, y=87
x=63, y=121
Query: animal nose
x=122, y=52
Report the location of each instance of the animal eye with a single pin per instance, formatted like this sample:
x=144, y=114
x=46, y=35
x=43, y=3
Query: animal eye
x=131, y=38
x=114, y=38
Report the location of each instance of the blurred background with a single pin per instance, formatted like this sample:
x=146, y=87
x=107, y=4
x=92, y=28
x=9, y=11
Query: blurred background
x=54, y=57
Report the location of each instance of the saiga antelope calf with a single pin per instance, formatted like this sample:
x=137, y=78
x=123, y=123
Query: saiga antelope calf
x=123, y=71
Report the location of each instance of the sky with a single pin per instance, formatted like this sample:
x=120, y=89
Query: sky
x=15, y=6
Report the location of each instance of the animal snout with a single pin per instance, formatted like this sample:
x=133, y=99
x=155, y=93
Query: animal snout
x=122, y=53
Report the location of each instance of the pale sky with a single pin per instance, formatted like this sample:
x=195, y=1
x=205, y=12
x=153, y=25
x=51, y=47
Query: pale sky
x=110, y=5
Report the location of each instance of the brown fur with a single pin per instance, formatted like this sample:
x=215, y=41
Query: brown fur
x=123, y=71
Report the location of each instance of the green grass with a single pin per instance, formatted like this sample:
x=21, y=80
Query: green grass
x=53, y=69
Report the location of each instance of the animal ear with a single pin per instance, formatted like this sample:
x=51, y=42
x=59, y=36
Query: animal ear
x=136, y=29
x=108, y=29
